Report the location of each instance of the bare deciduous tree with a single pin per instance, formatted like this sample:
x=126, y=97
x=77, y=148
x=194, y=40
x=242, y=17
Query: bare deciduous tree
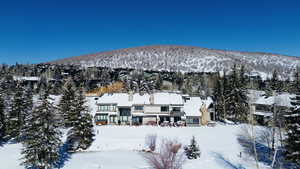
x=150, y=141
x=170, y=156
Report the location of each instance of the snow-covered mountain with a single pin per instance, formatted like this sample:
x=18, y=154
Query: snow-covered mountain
x=185, y=59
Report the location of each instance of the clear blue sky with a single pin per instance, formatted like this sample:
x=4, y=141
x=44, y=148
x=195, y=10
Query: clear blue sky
x=44, y=30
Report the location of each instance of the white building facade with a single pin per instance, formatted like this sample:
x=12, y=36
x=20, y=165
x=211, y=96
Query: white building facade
x=147, y=109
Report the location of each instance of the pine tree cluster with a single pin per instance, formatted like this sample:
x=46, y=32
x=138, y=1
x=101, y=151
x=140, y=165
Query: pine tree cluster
x=230, y=96
x=41, y=134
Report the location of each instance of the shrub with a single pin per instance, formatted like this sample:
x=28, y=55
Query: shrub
x=192, y=151
x=169, y=156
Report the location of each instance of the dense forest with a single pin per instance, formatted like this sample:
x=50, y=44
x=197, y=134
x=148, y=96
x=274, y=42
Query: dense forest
x=203, y=84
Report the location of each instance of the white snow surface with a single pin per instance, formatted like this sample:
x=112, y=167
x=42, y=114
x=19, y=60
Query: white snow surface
x=118, y=147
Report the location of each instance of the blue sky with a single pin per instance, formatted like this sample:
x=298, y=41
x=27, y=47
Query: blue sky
x=44, y=30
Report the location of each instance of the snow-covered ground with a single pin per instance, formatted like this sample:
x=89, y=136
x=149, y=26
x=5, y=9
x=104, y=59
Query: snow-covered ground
x=117, y=147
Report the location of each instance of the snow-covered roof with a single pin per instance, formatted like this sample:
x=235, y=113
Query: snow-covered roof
x=193, y=105
x=123, y=99
x=141, y=99
x=265, y=114
x=280, y=100
x=168, y=99
x=26, y=78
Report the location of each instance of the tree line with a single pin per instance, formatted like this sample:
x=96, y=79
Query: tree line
x=37, y=123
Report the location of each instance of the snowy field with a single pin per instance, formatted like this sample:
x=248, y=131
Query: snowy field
x=118, y=147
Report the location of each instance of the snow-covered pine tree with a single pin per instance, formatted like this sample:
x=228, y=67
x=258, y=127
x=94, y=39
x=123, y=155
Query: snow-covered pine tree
x=219, y=99
x=17, y=113
x=2, y=119
x=7, y=85
x=42, y=135
x=28, y=100
x=292, y=141
x=28, y=106
x=274, y=84
x=192, y=151
x=237, y=98
x=66, y=104
x=296, y=82
x=81, y=134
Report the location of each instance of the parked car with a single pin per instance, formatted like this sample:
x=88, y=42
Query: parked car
x=180, y=123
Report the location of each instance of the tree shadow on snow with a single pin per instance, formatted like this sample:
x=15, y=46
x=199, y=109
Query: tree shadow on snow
x=5, y=141
x=64, y=155
x=2, y=142
x=265, y=154
x=220, y=159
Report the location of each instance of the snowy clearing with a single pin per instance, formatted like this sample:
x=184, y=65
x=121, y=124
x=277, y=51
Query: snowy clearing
x=117, y=147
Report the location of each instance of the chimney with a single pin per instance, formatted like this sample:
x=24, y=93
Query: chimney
x=130, y=96
x=151, y=99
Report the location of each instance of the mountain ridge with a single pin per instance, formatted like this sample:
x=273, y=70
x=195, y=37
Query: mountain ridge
x=184, y=59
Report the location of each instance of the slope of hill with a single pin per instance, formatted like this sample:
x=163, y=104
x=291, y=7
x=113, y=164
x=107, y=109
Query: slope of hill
x=185, y=59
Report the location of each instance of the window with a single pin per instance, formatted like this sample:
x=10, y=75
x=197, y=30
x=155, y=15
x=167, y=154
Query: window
x=177, y=109
x=138, y=107
x=124, y=118
x=107, y=108
x=125, y=113
x=113, y=119
x=192, y=120
x=164, y=108
x=196, y=121
x=101, y=117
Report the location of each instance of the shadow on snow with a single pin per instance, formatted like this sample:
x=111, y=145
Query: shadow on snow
x=64, y=155
x=265, y=154
x=220, y=159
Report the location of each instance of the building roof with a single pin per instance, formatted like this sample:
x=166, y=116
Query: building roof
x=26, y=78
x=265, y=114
x=168, y=99
x=123, y=99
x=283, y=99
x=193, y=105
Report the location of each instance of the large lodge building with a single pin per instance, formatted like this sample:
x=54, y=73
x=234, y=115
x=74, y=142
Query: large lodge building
x=151, y=109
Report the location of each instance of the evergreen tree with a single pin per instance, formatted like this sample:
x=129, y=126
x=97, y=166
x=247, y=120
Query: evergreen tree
x=66, y=104
x=237, y=98
x=296, y=82
x=28, y=107
x=2, y=119
x=81, y=134
x=242, y=75
x=274, y=84
x=192, y=151
x=42, y=136
x=292, y=141
x=28, y=100
x=17, y=113
x=219, y=99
